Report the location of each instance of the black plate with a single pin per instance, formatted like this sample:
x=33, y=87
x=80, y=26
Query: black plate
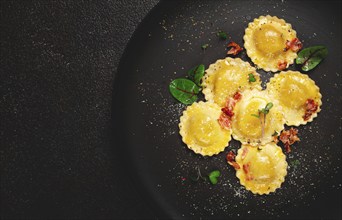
x=168, y=43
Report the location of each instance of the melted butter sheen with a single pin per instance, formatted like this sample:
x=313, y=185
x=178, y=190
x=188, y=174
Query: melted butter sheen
x=203, y=130
x=269, y=40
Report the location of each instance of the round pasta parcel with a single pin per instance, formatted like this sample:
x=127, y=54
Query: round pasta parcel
x=298, y=95
x=227, y=76
x=257, y=117
x=262, y=168
x=271, y=43
x=201, y=131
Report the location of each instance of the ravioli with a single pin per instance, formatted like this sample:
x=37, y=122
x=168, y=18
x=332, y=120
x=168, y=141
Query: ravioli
x=262, y=168
x=201, y=131
x=247, y=124
x=293, y=89
x=265, y=42
x=227, y=76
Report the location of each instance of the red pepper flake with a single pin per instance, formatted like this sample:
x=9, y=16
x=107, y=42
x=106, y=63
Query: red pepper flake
x=310, y=107
x=231, y=160
x=235, y=48
x=282, y=65
x=183, y=178
x=289, y=137
x=295, y=45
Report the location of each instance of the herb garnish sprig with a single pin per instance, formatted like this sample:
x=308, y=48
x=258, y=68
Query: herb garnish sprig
x=262, y=116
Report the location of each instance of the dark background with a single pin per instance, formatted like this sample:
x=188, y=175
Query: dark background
x=58, y=63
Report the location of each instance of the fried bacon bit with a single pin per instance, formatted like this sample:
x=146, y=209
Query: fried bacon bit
x=231, y=160
x=310, y=107
x=282, y=65
x=237, y=96
x=227, y=111
x=295, y=45
x=289, y=137
x=245, y=168
x=224, y=121
x=235, y=48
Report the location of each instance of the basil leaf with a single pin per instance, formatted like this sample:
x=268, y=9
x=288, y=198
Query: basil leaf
x=269, y=106
x=310, y=57
x=222, y=35
x=213, y=176
x=205, y=46
x=196, y=74
x=184, y=90
x=251, y=77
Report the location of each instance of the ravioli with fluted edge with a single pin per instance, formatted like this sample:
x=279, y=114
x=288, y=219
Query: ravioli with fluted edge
x=251, y=127
x=227, y=76
x=201, y=131
x=262, y=168
x=298, y=95
x=265, y=43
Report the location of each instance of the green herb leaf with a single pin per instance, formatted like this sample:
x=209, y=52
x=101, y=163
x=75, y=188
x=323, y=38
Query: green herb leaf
x=222, y=35
x=275, y=134
x=196, y=73
x=184, y=90
x=255, y=115
x=310, y=57
x=295, y=163
x=251, y=77
x=205, y=46
x=269, y=106
x=213, y=176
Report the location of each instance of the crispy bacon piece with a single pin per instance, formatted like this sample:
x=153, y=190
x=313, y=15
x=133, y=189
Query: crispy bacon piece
x=227, y=111
x=295, y=45
x=246, y=170
x=235, y=48
x=282, y=65
x=237, y=96
x=224, y=121
x=246, y=167
x=310, y=107
x=231, y=160
x=289, y=137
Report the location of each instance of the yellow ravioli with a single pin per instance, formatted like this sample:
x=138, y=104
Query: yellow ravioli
x=201, y=131
x=227, y=76
x=262, y=168
x=250, y=129
x=292, y=89
x=265, y=40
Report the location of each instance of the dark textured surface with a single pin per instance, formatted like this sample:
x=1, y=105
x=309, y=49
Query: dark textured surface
x=166, y=45
x=58, y=62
